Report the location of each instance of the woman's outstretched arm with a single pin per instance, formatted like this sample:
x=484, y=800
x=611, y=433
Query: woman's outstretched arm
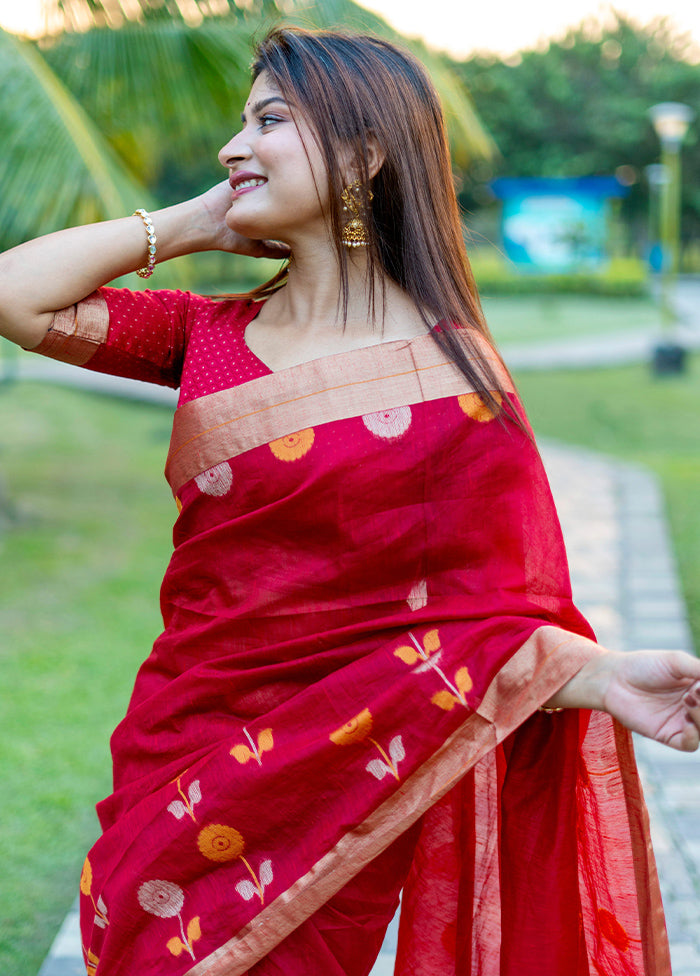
x=55, y=271
x=655, y=693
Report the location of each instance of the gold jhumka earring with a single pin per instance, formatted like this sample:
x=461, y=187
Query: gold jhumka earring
x=355, y=232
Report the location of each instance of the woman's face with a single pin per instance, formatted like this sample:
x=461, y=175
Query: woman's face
x=277, y=174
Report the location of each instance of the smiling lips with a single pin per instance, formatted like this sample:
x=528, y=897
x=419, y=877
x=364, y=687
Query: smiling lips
x=244, y=182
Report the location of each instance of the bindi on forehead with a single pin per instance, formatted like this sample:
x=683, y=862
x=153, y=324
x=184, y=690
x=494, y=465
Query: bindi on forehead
x=256, y=107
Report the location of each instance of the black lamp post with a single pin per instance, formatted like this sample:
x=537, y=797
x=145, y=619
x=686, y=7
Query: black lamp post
x=671, y=121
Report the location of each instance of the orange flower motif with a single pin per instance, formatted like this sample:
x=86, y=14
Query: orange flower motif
x=194, y=932
x=446, y=700
x=243, y=754
x=101, y=919
x=474, y=406
x=429, y=657
x=92, y=963
x=220, y=843
x=356, y=730
x=410, y=655
x=293, y=446
x=86, y=878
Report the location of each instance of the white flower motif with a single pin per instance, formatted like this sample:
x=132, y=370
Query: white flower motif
x=247, y=889
x=216, y=480
x=161, y=898
x=178, y=808
x=101, y=920
x=418, y=597
x=388, y=424
x=397, y=754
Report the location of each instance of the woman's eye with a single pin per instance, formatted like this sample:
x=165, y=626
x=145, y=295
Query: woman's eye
x=267, y=120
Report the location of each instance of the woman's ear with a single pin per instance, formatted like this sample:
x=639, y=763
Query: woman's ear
x=375, y=156
x=374, y=161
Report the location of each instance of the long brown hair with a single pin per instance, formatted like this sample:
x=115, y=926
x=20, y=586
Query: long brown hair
x=351, y=88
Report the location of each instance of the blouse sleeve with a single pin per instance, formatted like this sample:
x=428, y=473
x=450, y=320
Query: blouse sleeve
x=140, y=335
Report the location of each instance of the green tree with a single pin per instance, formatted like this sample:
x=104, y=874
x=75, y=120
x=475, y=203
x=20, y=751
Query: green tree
x=580, y=106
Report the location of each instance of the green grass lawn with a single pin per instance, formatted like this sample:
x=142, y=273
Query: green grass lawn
x=78, y=611
x=628, y=413
x=82, y=564
x=543, y=318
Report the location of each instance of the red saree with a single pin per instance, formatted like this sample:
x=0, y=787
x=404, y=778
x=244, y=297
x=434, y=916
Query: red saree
x=367, y=602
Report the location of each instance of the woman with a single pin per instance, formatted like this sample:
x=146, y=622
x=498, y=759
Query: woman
x=368, y=604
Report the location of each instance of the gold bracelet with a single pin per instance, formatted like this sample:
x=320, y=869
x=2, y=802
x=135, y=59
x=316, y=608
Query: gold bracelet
x=550, y=711
x=151, y=231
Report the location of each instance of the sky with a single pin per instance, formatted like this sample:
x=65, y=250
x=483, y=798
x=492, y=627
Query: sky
x=464, y=26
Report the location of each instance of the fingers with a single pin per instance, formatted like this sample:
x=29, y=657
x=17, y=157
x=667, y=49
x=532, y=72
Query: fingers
x=691, y=703
x=687, y=740
x=275, y=249
x=692, y=696
x=687, y=665
x=263, y=249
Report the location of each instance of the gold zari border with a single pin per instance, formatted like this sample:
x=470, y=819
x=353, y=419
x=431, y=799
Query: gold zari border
x=223, y=425
x=76, y=332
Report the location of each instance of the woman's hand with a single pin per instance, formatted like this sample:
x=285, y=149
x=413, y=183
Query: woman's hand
x=216, y=203
x=655, y=693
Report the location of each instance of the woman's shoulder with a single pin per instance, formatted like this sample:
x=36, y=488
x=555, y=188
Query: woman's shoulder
x=181, y=303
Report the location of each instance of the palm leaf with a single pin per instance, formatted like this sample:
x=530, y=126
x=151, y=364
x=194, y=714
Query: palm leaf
x=56, y=168
x=161, y=94
x=83, y=15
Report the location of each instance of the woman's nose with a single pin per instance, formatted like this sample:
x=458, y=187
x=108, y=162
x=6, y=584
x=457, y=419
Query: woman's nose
x=235, y=150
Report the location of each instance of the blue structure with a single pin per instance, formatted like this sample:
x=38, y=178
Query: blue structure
x=556, y=225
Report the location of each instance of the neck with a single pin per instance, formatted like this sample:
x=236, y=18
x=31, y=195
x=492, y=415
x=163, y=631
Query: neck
x=312, y=300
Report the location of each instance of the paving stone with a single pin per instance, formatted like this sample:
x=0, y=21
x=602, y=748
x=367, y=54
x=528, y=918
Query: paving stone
x=670, y=608
x=685, y=959
x=658, y=584
x=660, y=636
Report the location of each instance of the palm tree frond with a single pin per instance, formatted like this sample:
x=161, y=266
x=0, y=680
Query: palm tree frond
x=83, y=15
x=160, y=93
x=56, y=169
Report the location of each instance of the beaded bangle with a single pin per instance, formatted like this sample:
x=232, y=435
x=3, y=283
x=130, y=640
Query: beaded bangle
x=151, y=231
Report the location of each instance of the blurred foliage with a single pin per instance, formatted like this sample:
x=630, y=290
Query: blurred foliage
x=622, y=278
x=580, y=107
x=55, y=161
x=125, y=103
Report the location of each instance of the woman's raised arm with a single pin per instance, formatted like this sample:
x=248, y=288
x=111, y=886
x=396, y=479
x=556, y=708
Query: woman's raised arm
x=52, y=272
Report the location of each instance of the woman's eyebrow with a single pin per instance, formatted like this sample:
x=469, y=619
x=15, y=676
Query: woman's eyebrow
x=259, y=106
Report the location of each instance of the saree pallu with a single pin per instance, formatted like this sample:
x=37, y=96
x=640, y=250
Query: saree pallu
x=367, y=603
